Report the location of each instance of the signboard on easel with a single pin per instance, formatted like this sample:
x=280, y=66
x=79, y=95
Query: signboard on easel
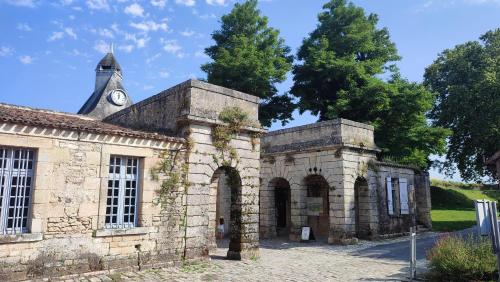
x=306, y=232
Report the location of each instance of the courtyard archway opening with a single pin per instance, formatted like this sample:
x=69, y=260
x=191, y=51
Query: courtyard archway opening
x=225, y=216
x=282, y=204
x=318, y=206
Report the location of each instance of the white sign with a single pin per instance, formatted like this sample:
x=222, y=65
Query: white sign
x=314, y=206
x=306, y=231
x=483, y=217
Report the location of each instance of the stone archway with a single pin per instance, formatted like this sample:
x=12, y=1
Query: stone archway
x=318, y=206
x=282, y=206
x=362, y=208
x=226, y=185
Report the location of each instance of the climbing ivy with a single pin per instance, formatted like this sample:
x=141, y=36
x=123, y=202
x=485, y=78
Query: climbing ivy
x=171, y=177
x=234, y=119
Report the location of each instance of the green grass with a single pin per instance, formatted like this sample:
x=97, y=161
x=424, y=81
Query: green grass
x=453, y=204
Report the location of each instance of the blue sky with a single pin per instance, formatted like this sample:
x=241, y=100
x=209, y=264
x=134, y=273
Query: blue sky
x=49, y=49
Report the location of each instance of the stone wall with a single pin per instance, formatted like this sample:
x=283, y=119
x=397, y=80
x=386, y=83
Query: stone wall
x=66, y=227
x=396, y=223
x=191, y=110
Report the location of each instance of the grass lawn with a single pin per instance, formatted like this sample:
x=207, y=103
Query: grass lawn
x=453, y=208
x=451, y=220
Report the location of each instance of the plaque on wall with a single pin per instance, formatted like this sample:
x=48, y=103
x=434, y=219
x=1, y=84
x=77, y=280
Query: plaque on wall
x=314, y=206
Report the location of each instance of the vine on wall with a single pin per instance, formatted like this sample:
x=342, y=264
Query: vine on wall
x=171, y=177
x=234, y=119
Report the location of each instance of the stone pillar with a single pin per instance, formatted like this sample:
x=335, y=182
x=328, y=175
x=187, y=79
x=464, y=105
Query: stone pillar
x=298, y=210
x=267, y=228
x=423, y=199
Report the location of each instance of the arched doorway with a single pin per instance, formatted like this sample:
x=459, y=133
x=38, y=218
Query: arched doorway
x=362, y=205
x=282, y=204
x=225, y=197
x=318, y=206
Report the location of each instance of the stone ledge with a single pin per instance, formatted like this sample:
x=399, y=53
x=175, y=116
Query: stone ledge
x=20, y=238
x=124, y=231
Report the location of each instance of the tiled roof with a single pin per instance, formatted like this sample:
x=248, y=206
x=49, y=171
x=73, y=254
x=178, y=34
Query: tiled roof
x=45, y=118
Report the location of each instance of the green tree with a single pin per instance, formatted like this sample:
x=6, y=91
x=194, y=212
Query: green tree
x=466, y=80
x=339, y=76
x=250, y=57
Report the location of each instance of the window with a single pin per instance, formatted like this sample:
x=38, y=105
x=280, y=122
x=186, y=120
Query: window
x=122, y=196
x=16, y=180
x=403, y=196
x=392, y=192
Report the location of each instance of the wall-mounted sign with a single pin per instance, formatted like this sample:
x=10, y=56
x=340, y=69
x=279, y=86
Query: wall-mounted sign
x=314, y=205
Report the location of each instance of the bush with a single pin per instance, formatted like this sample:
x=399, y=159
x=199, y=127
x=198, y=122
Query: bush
x=462, y=259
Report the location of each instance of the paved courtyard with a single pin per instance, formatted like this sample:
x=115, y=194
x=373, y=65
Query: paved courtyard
x=284, y=261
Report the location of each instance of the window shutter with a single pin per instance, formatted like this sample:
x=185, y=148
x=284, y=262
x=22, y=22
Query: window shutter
x=390, y=207
x=403, y=196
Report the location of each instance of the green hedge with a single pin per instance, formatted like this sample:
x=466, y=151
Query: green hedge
x=462, y=259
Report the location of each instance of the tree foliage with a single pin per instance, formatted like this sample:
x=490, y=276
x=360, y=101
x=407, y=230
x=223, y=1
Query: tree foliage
x=339, y=76
x=466, y=80
x=250, y=57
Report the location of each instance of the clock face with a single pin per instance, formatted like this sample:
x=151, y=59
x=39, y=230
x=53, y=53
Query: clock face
x=118, y=97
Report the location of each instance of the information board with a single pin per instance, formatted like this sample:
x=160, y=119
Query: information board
x=314, y=206
x=483, y=217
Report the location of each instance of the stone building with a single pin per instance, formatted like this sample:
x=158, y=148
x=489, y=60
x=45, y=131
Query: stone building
x=140, y=185
x=326, y=176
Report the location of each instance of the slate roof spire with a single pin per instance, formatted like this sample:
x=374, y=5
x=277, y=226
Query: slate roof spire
x=109, y=94
x=109, y=62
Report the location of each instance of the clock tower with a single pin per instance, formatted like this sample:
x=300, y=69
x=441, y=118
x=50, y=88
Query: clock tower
x=109, y=95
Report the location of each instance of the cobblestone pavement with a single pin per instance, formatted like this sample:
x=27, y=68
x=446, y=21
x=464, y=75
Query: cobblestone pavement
x=284, y=261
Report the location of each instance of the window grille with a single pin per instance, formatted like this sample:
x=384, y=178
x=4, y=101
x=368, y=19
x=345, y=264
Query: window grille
x=122, y=197
x=16, y=180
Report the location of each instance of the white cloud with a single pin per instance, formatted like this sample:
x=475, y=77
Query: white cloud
x=56, y=35
x=171, y=46
x=153, y=58
x=104, y=32
x=164, y=74
x=101, y=47
x=203, y=16
x=26, y=59
x=22, y=3
x=147, y=26
x=216, y=2
x=6, y=51
x=200, y=54
x=69, y=31
x=66, y=2
x=115, y=28
x=188, y=3
x=135, y=10
x=187, y=33
x=139, y=42
x=126, y=48
x=23, y=27
x=159, y=3
x=98, y=4
x=444, y=4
